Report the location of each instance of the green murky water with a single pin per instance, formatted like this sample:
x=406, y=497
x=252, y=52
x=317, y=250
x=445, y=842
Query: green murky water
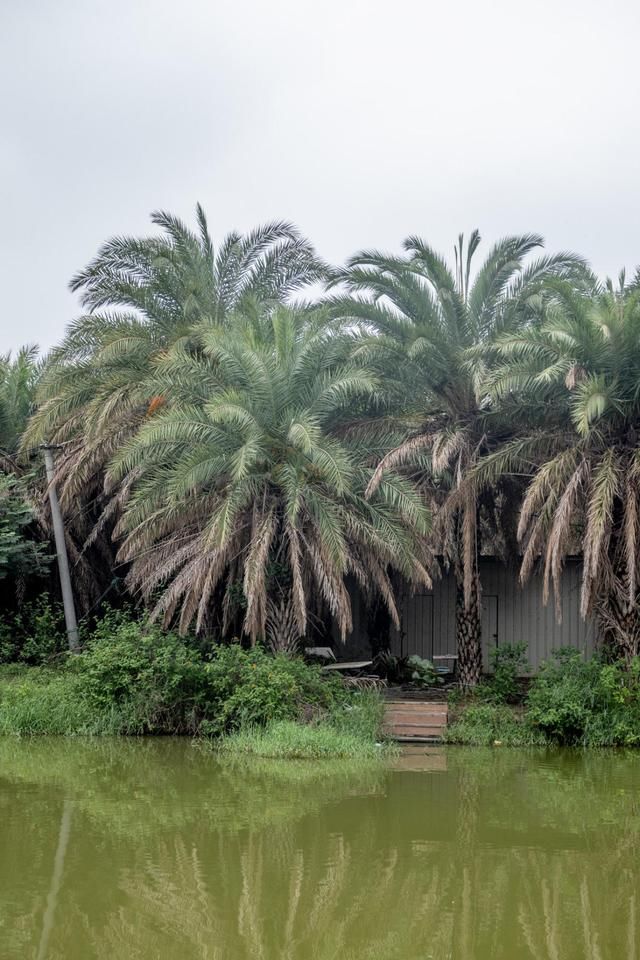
x=145, y=850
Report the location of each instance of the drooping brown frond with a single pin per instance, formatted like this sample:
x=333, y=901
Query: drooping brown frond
x=632, y=526
x=605, y=485
x=298, y=600
x=255, y=575
x=547, y=481
x=446, y=447
x=560, y=533
x=397, y=458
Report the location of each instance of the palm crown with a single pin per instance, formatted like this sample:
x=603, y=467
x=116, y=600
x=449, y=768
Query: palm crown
x=18, y=381
x=254, y=463
x=145, y=295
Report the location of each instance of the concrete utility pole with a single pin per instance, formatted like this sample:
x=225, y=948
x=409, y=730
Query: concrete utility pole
x=61, y=551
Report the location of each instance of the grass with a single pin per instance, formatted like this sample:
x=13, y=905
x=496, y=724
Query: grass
x=480, y=725
x=38, y=700
x=287, y=740
x=43, y=700
x=351, y=731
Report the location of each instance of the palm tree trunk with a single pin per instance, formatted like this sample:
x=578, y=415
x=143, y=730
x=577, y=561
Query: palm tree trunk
x=282, y=633
x=620, y=621
x=469, y=635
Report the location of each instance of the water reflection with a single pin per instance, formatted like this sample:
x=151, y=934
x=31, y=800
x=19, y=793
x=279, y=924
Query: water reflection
x=152, y=850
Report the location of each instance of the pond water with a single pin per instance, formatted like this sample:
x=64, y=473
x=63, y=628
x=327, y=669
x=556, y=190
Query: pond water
x=150, y=850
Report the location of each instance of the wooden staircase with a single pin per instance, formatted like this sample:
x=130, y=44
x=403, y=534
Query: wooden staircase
x=417, y=721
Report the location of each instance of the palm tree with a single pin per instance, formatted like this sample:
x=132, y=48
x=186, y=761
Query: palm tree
x=144, y=295
x=22, y=552
x=582, y=365
x=251, y=479
x=18, y=380
x=433, y=328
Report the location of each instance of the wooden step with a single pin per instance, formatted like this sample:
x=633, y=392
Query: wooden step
x=392, y=723
x=414, y=729
x=416, y=720
x=428, y=710
x=391, y=701
x=400, y=708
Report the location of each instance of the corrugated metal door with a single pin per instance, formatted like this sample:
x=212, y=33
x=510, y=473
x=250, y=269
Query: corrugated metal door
x=489, y=625
x=418, y=626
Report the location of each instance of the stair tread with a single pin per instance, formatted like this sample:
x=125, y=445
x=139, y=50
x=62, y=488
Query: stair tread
x=418, y=731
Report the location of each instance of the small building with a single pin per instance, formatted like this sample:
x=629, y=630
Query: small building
x=511, y=613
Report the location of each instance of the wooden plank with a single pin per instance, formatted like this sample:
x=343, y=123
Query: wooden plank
x=420, y=704
x=439, y=705
x=409, y=730
x=411, y=722
x=407, y=711
x=418, y=736
x=394, y=711
x=419, y=721
x=413, y=718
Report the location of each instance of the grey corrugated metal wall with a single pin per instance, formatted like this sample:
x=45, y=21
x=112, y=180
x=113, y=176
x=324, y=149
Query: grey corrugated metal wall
x=510, y=614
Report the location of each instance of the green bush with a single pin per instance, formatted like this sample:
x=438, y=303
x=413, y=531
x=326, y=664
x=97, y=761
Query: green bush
x=406, y=670
x=33, y=635
x=422, y=672
x=254, y=688
x=508, y=662
x=21, y=554
x=153, y=680
x=133, y=678
x=485, y=724
x=586, y=702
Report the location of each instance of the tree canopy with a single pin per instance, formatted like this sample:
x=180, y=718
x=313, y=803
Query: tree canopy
x=248, y=447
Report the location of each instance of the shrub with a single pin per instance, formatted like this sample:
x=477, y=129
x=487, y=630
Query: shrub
x=133, y=678
x=20, y=553
x=484, y=724
x=155, y=681
x=423, y=673
x=586, y=702
x=405, y=670
x=33, y=635
x=508, y=661
x=254, y=688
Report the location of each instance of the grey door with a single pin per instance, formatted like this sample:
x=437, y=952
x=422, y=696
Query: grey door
x=489, y=623
x=418, y=625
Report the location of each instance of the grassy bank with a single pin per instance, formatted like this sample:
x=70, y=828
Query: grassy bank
x=572, y=701
x=287, y=740
x=39, y=701
x=480, y=725
x=350, y=730
x=133, y=679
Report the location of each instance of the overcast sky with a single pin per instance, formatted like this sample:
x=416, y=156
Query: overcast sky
x=360, y=121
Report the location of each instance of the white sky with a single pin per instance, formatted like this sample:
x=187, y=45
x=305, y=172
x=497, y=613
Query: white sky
x=362, y=122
